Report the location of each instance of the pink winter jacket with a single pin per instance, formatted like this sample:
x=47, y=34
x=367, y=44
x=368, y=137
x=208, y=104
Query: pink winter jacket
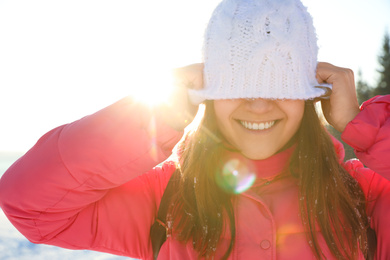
x=91, y=185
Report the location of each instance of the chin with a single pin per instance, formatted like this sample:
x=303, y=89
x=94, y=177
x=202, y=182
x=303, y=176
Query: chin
x=258, y=155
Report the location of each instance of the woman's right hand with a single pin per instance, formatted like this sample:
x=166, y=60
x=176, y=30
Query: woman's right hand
x=178, y=111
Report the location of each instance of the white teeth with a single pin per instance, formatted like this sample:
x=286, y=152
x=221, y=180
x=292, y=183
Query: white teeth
x=262, y=126
x=257, y=126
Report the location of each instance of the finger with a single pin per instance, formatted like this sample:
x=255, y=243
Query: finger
x=190, y=76
x=324, y=72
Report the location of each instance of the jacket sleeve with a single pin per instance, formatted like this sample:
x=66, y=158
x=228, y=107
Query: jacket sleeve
x=82, y=185
x=369, y=135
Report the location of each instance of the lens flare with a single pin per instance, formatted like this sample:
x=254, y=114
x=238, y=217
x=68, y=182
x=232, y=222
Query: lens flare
x=153, y=142
x=152, y=87
x=235, y=177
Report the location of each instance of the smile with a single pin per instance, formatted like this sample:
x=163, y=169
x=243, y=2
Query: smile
x=257, y=126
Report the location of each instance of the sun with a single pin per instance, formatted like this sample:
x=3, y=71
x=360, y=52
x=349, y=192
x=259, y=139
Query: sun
x=153, y=87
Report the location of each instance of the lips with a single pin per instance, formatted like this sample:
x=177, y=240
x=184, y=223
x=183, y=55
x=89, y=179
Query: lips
x=257, y=126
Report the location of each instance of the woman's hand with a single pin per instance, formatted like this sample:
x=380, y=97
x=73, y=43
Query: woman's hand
x=342, y=106
x=178, y=111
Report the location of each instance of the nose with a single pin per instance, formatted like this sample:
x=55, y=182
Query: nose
x=259, y=105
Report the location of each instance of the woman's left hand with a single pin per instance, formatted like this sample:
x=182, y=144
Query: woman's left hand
x=342, y=106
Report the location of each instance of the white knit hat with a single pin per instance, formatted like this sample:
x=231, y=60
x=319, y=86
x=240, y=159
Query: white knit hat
x=259, y=49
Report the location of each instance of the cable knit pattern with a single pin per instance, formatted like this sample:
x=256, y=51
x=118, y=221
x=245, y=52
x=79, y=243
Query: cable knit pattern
x=259, y=48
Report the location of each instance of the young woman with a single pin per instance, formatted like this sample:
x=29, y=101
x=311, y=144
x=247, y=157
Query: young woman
x=258, y=177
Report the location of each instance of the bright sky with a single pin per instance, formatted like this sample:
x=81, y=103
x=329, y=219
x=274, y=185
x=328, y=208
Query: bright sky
x=61, y=60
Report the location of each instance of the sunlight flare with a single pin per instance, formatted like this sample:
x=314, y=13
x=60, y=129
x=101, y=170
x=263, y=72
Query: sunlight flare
x=152, y=87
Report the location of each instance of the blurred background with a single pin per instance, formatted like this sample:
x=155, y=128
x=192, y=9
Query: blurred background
x=62, y=60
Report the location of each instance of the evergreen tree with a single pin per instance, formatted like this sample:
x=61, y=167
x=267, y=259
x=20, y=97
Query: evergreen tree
x=363, y=90
x=383, y=86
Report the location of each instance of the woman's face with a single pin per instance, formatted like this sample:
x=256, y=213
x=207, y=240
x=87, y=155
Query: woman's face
x=260, y=127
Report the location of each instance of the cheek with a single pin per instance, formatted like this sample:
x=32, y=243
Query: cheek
x=223, y=110
x=219, y=116
x=294, y=111
x=223, y=125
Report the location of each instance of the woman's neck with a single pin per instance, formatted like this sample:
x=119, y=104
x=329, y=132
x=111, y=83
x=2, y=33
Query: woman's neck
x=266, y=168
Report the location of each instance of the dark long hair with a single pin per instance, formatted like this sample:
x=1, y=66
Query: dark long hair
x=332, y=199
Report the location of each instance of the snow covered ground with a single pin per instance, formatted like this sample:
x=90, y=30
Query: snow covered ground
x=14, y=246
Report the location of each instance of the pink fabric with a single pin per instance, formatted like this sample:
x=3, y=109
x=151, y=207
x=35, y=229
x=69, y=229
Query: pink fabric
x=91, y=185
